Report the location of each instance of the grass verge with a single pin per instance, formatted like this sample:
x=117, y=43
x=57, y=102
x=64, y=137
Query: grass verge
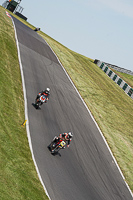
x=108, y=103
x=18, y=177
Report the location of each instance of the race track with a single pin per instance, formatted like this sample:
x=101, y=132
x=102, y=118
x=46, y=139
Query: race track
x=86, y=170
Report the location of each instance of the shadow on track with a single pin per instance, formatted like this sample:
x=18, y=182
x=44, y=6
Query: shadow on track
x=55, y=153
x=36, y=107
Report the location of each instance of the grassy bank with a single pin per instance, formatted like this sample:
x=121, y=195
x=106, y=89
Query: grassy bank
x=18, y=177
x=110, y=106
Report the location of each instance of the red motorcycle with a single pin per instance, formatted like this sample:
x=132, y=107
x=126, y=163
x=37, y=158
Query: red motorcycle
x=39, y=101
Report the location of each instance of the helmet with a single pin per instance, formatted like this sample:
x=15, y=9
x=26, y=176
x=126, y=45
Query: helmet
x=70, y=134
x=47, y=89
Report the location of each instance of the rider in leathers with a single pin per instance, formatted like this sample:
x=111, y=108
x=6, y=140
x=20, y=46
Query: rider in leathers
x=66, y=136
x=45, y=92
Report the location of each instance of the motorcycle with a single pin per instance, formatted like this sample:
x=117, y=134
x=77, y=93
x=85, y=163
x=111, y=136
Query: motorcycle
x=39, y=101
x=55, y=147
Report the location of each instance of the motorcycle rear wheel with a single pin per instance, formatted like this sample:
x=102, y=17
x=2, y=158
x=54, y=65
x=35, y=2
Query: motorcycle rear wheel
x=37, y=104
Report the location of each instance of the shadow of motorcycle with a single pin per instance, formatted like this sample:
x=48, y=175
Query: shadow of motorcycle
x=55, y=147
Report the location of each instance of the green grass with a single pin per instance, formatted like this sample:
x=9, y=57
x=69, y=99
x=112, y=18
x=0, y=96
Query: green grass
x=110, y=106
x=18, y=177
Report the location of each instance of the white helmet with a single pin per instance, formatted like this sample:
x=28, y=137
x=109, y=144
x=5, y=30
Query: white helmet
x=70, y=134
x=48, y=89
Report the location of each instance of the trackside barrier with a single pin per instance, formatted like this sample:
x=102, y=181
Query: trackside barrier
x=127, y=89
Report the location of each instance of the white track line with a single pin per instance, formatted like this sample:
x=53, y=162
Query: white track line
x=26, y=112
x=93, y=120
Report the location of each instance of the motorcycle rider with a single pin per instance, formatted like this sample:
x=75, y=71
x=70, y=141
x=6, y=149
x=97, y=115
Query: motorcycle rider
x=65, y=136
x=46, y=93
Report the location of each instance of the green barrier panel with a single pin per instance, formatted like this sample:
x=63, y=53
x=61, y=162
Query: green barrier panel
x=125, y=86
x=119, y=81
x=115, y=76
x=130, y=92
x=106, y=68
x=110, y=72
x=102, y=65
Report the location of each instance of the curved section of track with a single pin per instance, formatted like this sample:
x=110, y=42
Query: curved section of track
x=86, y=170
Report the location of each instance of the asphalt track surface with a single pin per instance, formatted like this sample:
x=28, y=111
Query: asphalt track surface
x=85, y=170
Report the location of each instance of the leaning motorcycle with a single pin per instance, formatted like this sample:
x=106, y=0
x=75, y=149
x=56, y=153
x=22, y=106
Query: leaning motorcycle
x=39, y=101
x=55, y=147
